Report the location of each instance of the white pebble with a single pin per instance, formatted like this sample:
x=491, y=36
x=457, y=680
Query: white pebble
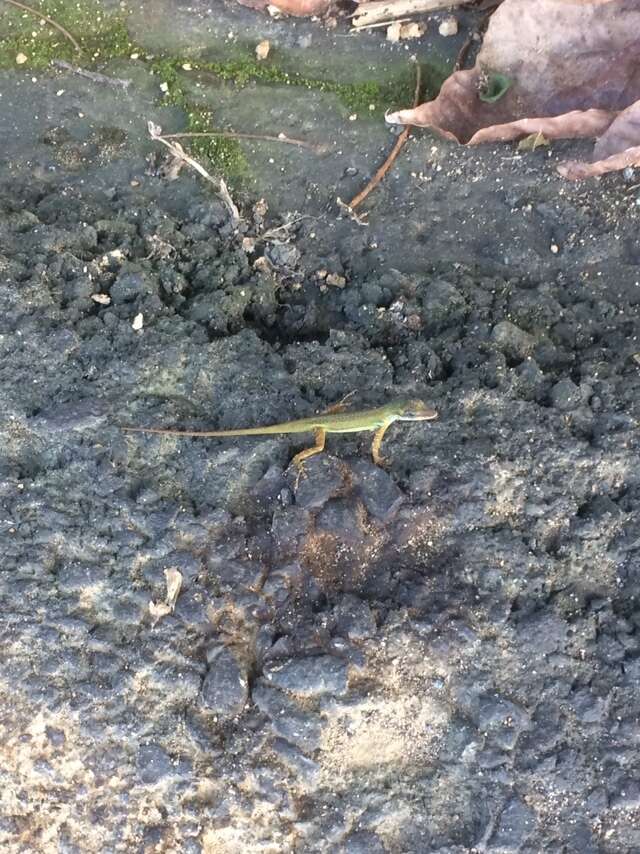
x=448, y=27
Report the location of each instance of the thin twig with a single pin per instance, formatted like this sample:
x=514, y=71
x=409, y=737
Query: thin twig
x=117, y=82
x=464, y=50
x=351, y=214
x=155, y=132
x=479, y=32
x=380, y=10
x=50, y=21
x=227, y=134
x=269, y=235
x=380, y=24
x=400, y=141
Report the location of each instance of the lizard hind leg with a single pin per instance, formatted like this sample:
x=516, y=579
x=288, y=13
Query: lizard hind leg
x=320, y=436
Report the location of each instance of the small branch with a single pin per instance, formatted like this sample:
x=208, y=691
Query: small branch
x=92, y=75
x=400, y=141
x=351, y=214
x=50, y=21
x=384, y=10
x=227, y=134
x=270, y=234
x=155, y=132
x=380, y=24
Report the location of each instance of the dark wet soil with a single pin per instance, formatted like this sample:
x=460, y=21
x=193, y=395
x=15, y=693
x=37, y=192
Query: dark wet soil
x=442, y=656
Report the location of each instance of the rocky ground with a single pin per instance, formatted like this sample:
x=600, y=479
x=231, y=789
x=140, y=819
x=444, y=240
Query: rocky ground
x=442, y=656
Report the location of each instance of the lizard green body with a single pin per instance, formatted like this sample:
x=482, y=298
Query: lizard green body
x=378, y=420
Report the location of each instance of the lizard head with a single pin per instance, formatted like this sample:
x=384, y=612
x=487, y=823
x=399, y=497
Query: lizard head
x=415, y=410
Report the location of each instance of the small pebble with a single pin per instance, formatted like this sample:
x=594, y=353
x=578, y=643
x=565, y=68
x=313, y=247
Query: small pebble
x=412, y=30
x=335, y=280
x=448, y=27
x=393, y=32
x=309, y=677
x=225, y=687
x=513, y=341
x=21, y=58
x=262, y=50
x=138, y=322
x=566, y=395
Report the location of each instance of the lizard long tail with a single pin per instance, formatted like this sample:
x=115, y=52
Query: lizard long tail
x=291, y=427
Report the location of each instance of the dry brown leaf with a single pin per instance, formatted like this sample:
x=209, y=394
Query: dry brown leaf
x=617, y=148
x=298, y=8
x=576, y=170
x=622, y=133
x=575, y=72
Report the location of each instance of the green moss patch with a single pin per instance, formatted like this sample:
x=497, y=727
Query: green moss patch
x=224, y=155
x=100, y=35
x=103, y=36
x=356, y=96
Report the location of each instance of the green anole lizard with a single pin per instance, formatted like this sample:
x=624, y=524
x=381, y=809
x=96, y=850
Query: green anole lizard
x=332, y=421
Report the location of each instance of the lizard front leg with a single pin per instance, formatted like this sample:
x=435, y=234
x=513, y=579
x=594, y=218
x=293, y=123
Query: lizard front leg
x=320, y=435
x=375, y=446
